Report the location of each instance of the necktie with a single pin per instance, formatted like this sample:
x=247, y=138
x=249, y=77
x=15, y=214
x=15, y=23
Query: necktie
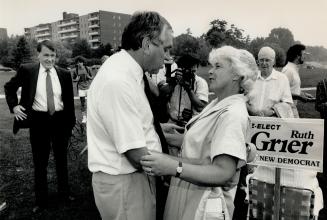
x=50, y=98
x=161, y=189
x=154, y=110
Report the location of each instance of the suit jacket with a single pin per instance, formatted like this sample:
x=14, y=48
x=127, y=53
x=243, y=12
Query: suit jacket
x=26, y=78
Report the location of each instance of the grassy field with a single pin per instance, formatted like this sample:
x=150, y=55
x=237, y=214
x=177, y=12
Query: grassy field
x=16, y=173
x=16, y=177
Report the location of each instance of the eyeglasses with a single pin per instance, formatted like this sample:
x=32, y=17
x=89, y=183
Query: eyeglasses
x=157, y=42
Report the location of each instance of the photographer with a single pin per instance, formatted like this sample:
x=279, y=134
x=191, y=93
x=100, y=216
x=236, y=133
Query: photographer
x=189, y=92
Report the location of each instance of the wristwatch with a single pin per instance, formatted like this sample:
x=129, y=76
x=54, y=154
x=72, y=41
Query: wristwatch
x=179, y=169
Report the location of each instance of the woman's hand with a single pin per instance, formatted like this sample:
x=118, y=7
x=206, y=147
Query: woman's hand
x=171, y=128
x=172, y=134
x=159, y=164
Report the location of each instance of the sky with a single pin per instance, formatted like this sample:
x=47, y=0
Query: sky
x=307, y=20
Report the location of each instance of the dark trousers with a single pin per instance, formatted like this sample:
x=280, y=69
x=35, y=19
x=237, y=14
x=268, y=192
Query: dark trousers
x=48, y=132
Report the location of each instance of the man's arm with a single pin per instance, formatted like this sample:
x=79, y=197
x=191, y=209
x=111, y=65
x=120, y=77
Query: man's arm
x=11, y=88
x=134, y=156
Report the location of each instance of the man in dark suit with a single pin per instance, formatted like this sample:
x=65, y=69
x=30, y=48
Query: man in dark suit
x=46, y=107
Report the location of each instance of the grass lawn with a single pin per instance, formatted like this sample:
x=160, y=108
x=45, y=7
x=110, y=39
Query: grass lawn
x=16, y=177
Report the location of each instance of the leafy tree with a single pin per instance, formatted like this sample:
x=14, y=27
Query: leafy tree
x=188, y=31
x=221, y=34
x=281, y=36
x=81, y=48
x=255, y=45
x=203, y=51
x=185, y=44
x=102, y=50
x=22, y=52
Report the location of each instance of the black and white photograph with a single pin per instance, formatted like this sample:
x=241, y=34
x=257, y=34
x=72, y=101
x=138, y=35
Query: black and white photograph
x=163, y=110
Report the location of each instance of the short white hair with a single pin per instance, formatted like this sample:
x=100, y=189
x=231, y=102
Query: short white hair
x=242, y=63
x=267, y=52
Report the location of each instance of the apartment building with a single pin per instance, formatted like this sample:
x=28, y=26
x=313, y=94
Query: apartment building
x=100, y=27
x=3, y=34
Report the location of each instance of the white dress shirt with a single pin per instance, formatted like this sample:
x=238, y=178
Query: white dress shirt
x=40, y=99
x=269, y=91
x=119, y=116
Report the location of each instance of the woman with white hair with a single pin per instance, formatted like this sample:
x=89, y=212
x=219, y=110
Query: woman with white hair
x=213, y=149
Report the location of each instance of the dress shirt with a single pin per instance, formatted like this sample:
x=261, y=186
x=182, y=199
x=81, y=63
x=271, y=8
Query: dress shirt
x=119, y=116
x=269, y=91
x=40, y=99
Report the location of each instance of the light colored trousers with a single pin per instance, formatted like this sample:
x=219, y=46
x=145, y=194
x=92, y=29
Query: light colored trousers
x=125, y=197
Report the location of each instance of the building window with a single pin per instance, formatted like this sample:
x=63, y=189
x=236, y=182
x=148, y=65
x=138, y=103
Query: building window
x=113, y=16
x=118, y=17
x=114, y=24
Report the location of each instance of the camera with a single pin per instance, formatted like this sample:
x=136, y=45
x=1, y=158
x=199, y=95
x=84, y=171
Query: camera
x=184, y=75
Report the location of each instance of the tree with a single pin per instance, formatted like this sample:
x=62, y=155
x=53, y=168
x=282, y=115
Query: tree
x=185, y=44
x=281, y=36
x=203, y=51
x=22, y=53
x=81, y=48
x=220, y=34
x=102, y=50
x=255, y=45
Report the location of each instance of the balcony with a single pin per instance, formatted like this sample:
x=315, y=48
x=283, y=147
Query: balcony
x=94, y=40
x=94, y=33
x=42, y=39
x=94, y=26
x=69, y=36
x=73, y=29
x=94, y=18
x=42, y=28
x=43, y=34
x=64, y=24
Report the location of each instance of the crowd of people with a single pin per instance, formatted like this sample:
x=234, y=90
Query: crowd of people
x=157, y=148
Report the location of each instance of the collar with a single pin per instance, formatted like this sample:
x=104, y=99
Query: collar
x=273, y=75
x=293, y=65
x=134, y=67
x=216, y=106
x=42, y=69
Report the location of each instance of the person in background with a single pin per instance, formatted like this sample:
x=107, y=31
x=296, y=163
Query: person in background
x=104, y=58
x=321, y=107
x=294, y=58
x=47, y=108
x=270, y=89
x=83, y=77
x=213, y=148
x=122, y=125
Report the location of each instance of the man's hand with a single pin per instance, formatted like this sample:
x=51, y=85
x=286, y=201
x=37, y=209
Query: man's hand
x=19, y=112
x=307, y=97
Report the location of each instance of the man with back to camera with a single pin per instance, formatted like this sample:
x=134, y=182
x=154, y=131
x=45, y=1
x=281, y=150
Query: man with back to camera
x=121, y=126
x=294, y=59
x=47, y=104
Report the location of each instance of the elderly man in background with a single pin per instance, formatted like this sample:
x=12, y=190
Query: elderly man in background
x=271, y=89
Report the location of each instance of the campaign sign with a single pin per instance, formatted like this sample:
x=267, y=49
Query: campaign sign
x=291, y=143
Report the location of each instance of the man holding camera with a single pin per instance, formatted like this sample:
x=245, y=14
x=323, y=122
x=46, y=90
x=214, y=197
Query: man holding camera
x=189, y=91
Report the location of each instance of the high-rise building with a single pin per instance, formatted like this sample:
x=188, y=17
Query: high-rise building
x=100, y=27
x=3, y=33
